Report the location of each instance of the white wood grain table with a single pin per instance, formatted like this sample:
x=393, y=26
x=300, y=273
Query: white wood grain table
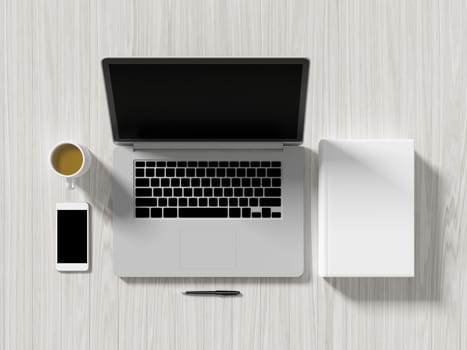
x=379, y=69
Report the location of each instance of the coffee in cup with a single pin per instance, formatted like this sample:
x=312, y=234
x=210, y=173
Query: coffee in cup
x=70, y=160
x=67, y=159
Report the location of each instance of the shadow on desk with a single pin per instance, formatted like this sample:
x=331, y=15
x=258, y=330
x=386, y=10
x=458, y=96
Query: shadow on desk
x=310, y=196
x=426, y=286
x=98, y=187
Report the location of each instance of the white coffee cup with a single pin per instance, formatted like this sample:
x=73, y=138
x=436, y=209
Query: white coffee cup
x=70, y=160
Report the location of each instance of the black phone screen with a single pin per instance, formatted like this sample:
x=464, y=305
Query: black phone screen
x=72, y=236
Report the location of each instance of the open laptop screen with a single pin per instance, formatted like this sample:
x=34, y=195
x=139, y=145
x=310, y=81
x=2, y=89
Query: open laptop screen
x=206, y=99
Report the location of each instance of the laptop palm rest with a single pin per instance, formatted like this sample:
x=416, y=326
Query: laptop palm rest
x=208, y=246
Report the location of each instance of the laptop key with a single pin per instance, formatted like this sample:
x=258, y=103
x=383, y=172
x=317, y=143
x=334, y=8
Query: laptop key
x=250, y=172
x=160, y=164
x=193, y=202
x=146, y=202
x=142, y=182
x=274, y=172
x=270, y=202
x=243, y=202
x=142, y=212
x=151, y=164
x=185, y=182
x=256, y=215
x=254, y=202
x=160, y=172
x=156, y=212
x=203, y=202
x=234, y=212
x=272, y=192
x=172, y=202
x=202, y=212
x=276, y=215
x=139, y=164
x=238, y=192
x=149, y=172
x=276, y=182
x=170, y=212
x=246, y=212
x=157, y=192
x=266, y=212
x=182, y=202
x=162, y=202
x=168, y=172
x=223, y=202
x=155, y=182
x=275, y=164
x=171, y=164
x=139, y=172
x=143, y=192
x=213, y=202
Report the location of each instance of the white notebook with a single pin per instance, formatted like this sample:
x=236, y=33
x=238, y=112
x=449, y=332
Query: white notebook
x=366, y=208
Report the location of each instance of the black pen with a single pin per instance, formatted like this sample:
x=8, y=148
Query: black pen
x=212, y=292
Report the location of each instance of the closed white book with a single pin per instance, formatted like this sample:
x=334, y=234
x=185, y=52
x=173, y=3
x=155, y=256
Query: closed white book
x=366, y=208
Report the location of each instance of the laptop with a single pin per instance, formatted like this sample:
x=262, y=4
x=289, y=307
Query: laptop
x=208, y=171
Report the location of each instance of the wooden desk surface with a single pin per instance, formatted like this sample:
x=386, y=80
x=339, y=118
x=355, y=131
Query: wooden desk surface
x=379, y=69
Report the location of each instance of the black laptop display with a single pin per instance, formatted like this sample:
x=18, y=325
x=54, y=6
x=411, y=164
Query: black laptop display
x=203, y=99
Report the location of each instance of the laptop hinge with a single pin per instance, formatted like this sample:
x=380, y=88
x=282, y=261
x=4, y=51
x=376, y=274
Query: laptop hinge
x=207, y=145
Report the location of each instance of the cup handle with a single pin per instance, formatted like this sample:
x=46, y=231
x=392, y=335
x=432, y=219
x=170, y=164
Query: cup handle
x=71, y=183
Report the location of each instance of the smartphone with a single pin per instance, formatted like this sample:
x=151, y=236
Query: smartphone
x=72, y=222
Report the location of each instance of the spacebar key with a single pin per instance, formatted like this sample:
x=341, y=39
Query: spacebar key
x=202, y=212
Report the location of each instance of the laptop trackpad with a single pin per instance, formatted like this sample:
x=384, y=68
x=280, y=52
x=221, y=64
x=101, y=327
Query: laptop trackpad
x=208, y=246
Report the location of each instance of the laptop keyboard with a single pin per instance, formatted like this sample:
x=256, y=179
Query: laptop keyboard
x=208, y=189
